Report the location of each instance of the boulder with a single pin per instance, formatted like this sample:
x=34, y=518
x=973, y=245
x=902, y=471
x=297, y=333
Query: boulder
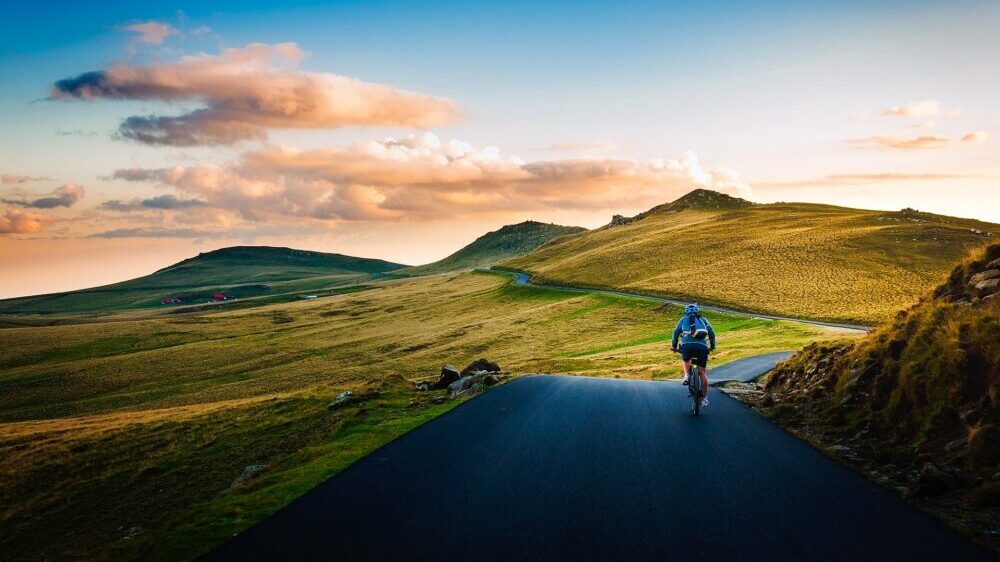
x=249, y=473
x=474, y=388
x=984, y=275
x=449, y=374
x=620, y=220
x=932, y=481
x=483, y=365
x=460, y=385
x=342, y=399
x=988, y=285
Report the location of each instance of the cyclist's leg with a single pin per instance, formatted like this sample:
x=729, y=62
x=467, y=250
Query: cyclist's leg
x=686, y=358
x=701, y=361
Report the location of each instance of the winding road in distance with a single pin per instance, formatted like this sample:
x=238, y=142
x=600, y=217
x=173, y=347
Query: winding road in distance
x=577, y=468
x=524, y=279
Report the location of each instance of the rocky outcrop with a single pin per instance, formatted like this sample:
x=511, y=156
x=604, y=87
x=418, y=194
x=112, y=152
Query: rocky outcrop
x=448, y=375
x=474, y=378
x=249, y=473
x=483, y=365
x=342, y=399
x=621, y=220
x=915, y=404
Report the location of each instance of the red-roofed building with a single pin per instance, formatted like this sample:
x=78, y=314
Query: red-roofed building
x=219, y=297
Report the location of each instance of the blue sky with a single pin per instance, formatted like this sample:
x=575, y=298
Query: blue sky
x=782, y=94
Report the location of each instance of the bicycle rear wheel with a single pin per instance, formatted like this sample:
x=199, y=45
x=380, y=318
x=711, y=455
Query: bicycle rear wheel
x=694, y=387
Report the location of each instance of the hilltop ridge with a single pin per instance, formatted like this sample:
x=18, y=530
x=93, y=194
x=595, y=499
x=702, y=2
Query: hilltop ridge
x=788, y=259
x=237, y=271
x=508, y=242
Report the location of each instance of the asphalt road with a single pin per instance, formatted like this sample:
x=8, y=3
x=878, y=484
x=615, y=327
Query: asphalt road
x=575, y=468
x=525, y=279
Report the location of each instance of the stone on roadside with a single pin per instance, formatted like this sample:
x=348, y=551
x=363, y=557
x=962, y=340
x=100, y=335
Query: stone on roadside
x=484, y=365
x=932, y=481
x=449, y=374
x=342, y=399
x=249, y=473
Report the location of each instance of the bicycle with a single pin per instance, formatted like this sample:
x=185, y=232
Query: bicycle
x=694, y=387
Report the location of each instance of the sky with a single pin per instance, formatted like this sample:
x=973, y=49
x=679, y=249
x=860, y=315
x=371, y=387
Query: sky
x=134, y=135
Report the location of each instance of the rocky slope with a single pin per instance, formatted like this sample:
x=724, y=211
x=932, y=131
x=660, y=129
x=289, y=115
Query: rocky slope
x=916, y=403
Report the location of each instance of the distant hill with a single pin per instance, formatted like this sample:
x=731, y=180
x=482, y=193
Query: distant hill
x=494, y=247
x=794, y=259
x=236, y=272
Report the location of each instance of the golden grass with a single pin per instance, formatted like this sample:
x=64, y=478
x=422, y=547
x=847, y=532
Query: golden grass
x=118, y=439
x=799, y=260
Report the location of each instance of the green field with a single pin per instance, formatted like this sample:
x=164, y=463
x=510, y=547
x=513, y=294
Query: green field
x=240, y=272
x=509, y=242
x=789, y=259
x=119, y=440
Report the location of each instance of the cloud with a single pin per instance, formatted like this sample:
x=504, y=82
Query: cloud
x=76, y=133
x=976, y=136
x=922, y=142
x=923, y=108
x=150, y=32
x=869, y=178
x=580, y=147
x=245, y=93
x=16, y=221
x=8, y=179
x=161, y=202
x=424, y=178
x=64, y=196
x=157, y=233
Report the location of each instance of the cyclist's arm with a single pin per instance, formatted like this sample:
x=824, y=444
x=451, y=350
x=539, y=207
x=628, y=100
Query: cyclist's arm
x=711, y=333
x=677, y=334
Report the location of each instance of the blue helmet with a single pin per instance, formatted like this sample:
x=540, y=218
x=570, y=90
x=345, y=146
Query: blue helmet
x=691, y=309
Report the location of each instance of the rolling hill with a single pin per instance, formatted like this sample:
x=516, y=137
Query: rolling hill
x=239, y=271
x=142, y=423
x=509, y=242
x=794, y=259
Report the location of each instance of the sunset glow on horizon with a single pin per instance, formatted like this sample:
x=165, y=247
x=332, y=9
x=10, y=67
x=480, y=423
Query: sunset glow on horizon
x=134, y=137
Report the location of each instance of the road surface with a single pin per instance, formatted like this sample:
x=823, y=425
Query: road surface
x=525, y=279
x=576, y=468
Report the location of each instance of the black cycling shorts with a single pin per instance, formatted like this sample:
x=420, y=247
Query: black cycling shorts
x=695, y=351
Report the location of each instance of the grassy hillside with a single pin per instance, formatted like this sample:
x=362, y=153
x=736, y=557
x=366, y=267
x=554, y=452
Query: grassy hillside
x=509, y=242
x=794, y=259
x=240, y=272
x=120, y=440
x=923, y=388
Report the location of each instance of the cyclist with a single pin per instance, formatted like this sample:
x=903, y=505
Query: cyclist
x=692, y=330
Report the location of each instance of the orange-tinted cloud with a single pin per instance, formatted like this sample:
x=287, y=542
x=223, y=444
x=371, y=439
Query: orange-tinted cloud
x=150, y=32
x=423, y=178
x=7, y=179
x=922, y=142
x=248, y=91
x=869, y=178
x=976, y=136
x=16, y=221
x=923, y=108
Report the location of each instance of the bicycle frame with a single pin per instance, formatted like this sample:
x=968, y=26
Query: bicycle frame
x=694, y=387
